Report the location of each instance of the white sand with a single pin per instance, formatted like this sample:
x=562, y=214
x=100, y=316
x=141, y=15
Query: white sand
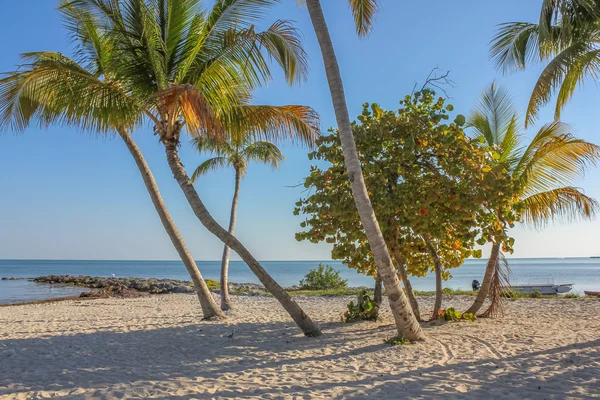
x=156, y=347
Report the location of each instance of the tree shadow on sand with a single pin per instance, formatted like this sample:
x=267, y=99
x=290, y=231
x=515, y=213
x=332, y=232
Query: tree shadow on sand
x=159, y=362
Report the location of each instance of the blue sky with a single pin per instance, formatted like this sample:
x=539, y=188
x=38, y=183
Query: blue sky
x=69, y=195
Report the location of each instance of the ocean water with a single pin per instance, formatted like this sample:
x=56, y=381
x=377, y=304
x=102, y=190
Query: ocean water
x=584, y=273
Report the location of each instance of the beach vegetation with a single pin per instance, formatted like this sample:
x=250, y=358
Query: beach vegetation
x=324, y=277
x=432, y=187
x=397, y=341
x=365, y=309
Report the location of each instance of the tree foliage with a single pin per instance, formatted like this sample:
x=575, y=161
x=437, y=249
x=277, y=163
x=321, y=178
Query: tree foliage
x=425, y=176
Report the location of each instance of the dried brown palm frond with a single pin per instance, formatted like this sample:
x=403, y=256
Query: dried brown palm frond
x=500, y=283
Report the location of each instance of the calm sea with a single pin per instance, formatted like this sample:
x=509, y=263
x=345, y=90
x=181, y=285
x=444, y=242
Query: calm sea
x=583, y=272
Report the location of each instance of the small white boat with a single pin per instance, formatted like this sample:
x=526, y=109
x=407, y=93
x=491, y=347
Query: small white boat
x=544, y=288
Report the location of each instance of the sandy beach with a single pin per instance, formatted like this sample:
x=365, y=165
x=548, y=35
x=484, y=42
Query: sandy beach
x=157, y=347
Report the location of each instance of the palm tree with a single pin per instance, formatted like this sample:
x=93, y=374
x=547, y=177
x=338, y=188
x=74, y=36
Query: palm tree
x=237, y=155
x=566, y=37
x=364, y=12
x=54, y=89
x=543, y=170
x=195, y=70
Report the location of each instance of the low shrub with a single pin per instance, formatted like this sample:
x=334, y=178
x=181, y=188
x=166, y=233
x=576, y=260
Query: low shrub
x=571, y=296
x=365, y=309
x=397, y=341
x=452, y=315
x=536, y=294
x=323, y=278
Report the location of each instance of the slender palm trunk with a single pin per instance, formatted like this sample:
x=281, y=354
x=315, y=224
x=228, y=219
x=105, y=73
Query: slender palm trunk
x=209, y=306
x=225, y=300
x=406, y=323
x=407, y=286
x=438, y=276
x=378, y=293
x=305, y=323
x=490, y=270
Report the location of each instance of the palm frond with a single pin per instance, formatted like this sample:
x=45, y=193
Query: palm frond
x=363, y=12
x=54, y=89
x=587, y=63
x=554, y=158
x=552, y=76
x=211, y=144
x=515, y=45
x=495, y=118
x=563, y=204
x=263, y=152
x=212, y=164
x=275, y=123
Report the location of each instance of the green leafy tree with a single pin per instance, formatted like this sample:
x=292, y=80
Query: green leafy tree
x=236, y=154
x=432, y=187
x=363, y=12
x=542, y=170
x=179, y=67
x=565, y=38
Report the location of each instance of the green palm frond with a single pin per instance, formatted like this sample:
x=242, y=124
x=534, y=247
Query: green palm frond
x=551, y=78
x=212, y=164
x=495, y=118
x=515, y=45
x=54, y=89
x=554, y=158
x=263, y=152
x=587, y=63
x=363, y=12
x=565, y=204
x=210, y=144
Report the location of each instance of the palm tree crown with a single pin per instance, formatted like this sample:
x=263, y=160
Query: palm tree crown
x=235, y=154
x=545, y=169
x=566, y=37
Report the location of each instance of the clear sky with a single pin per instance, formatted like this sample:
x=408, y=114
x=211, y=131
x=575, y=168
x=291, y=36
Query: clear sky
x=68, y=195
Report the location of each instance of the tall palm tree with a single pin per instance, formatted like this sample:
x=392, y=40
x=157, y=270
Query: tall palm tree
x=543, y=170
x=236, y=155
x=566, y=37
x=195, y=70
x=364, y=12
x=54, y=89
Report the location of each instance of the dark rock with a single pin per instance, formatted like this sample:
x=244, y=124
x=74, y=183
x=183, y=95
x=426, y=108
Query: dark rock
x=12, y=279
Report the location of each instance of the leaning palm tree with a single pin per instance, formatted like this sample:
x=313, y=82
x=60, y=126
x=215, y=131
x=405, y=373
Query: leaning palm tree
x=51, y=88
x=236, y=155
x=194, y=70
x=364, y=13
x=566, y=38
x=543, y=170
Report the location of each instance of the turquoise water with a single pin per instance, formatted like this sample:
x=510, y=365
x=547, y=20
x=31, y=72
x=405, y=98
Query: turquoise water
x=584, y=273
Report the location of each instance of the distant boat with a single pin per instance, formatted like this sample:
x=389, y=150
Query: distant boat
x=544, y=288
x=588, y=293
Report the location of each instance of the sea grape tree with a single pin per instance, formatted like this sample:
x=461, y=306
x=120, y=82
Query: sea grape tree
x=433, y=188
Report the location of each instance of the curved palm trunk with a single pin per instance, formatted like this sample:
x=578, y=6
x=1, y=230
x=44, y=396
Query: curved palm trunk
x=407, y=286
x=490, y=270
x=299, y=316
x=209, y=306
x=406, y=323
x=225, y=300
x=438, y=276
